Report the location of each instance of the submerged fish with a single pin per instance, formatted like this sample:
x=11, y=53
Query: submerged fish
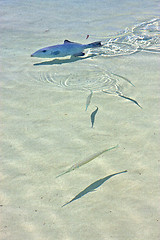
x=66, y=49
x=77, y=165
x=89, y=99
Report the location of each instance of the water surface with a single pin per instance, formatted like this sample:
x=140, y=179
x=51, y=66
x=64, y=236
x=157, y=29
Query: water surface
x=45, y=128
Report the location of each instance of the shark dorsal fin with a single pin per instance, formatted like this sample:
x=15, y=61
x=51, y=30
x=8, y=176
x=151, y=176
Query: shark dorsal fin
x=67, y=41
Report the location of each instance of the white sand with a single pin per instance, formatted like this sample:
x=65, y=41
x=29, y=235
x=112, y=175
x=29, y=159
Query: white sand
x=45, y=130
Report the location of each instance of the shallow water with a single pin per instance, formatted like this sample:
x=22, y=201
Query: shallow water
x=45, y=129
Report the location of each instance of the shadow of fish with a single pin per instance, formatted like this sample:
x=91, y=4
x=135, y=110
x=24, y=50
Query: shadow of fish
x=126, y=79
x=77, y=165
x=130, y=99
x=122, y=96
x=92, y=187
x=63, y=60
x=68, y=48
x=93, y=116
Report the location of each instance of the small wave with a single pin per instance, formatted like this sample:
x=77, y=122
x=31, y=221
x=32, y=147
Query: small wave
x=141, y=37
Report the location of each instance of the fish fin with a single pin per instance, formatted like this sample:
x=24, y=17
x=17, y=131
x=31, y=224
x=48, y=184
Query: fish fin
x=79, y=54
x=67, y=41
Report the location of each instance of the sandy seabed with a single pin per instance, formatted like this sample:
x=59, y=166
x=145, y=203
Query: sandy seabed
x=45, y=130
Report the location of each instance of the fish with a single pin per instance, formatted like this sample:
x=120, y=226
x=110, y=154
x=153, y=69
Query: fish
x=89, y=99
x=93, y=116
x=68, y=48
x=77, y=165
x=92, y=187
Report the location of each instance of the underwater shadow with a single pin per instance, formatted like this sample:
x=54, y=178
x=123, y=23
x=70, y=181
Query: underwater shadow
x=63, y=61
x=92, y=187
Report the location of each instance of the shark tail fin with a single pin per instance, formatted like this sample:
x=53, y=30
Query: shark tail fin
x=94, y=45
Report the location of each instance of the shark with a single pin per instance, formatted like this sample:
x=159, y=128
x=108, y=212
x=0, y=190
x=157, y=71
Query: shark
x=68, y=48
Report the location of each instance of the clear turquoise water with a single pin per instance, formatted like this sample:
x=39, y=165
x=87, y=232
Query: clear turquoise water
x=45, y=128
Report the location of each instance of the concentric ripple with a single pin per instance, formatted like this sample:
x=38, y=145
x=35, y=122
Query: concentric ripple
x=89, y=78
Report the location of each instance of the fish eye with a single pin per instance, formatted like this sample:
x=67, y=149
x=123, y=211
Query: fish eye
x=44, y=50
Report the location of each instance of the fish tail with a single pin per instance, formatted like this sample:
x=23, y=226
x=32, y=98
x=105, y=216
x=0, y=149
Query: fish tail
x=60, y=174
x=63, y=173
x=94, y=45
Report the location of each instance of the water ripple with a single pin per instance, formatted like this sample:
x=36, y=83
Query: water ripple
x=88, y=78
x=139, y=38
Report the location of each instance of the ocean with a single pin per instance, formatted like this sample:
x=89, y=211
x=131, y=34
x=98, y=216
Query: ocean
x=59, y=115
